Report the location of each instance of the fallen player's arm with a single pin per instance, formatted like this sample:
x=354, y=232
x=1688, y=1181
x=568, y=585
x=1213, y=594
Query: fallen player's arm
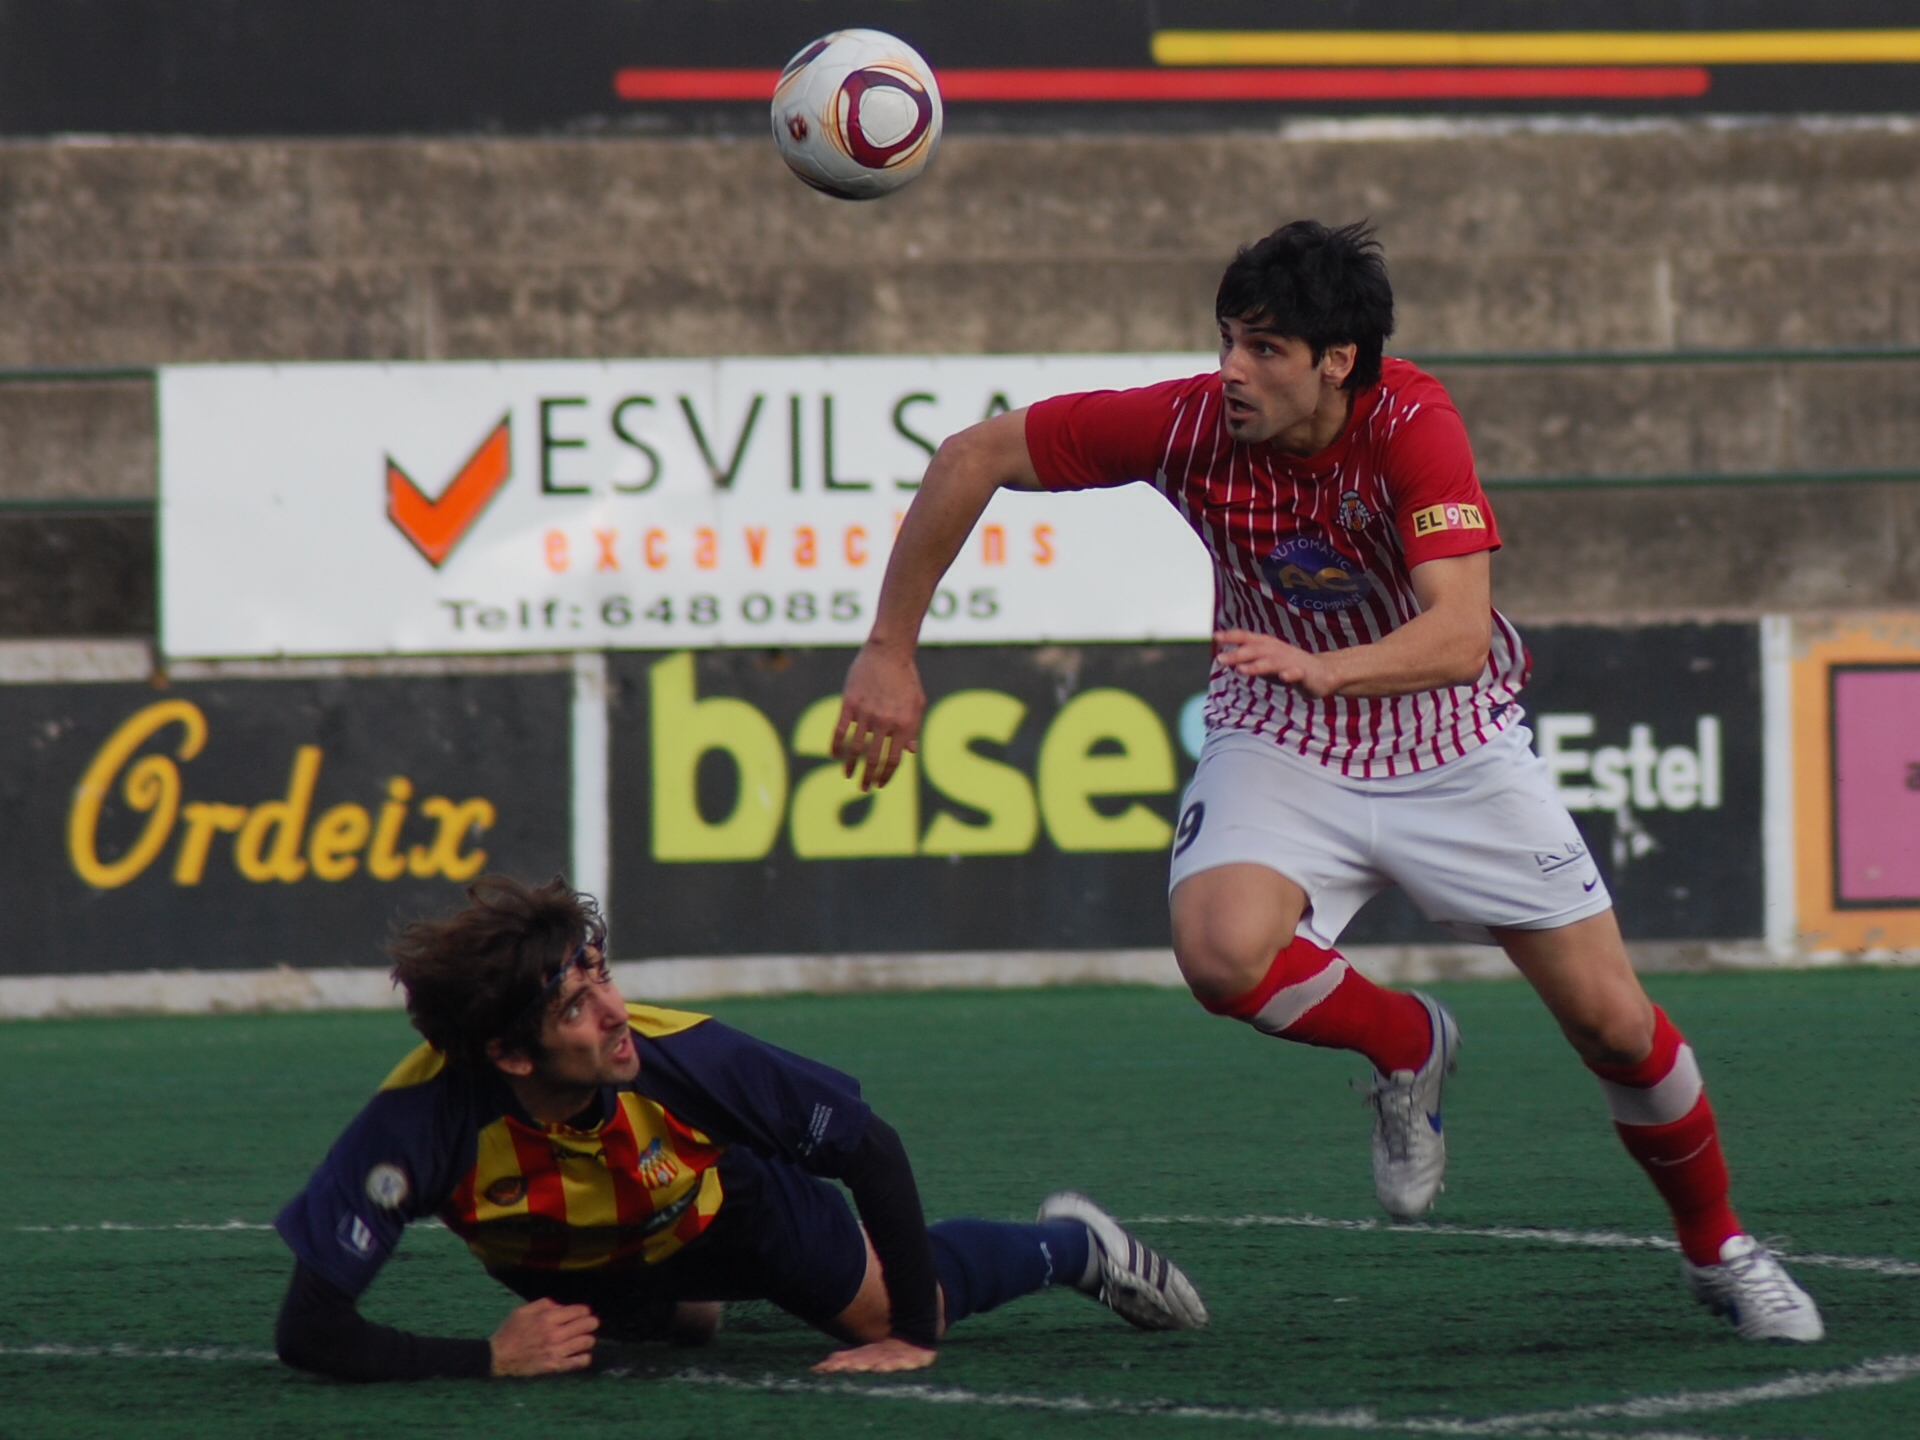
x=1445, y=644
x=883, y=701
x=321, y=1329
x=884, y=1192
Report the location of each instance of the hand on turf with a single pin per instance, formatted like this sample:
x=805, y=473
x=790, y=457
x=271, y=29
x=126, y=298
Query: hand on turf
x=883, y=1357
x=880, y=714
x=1251, y=653
x=544, y=1338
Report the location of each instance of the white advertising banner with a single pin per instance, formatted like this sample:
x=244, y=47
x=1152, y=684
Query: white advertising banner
x=348, y=509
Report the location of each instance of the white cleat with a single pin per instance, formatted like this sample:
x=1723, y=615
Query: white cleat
x=1752, y=1289
x=1135, y=1281
x=1409, y=1145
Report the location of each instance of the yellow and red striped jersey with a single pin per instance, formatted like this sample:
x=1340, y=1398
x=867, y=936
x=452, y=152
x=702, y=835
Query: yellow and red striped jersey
x=630, y=1183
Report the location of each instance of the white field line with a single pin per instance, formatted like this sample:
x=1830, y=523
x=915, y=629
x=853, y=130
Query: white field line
x=1549, y=1424
x=1556, y=1424
x=1590, y=1239
x=115, y=1226
x=139, y=1352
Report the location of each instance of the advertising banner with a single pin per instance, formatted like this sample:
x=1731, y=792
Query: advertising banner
x=1856, y=753
x=1038, y=812
x=251, y=823
x=370, y=66
x=1654, y=736
x=359, y=508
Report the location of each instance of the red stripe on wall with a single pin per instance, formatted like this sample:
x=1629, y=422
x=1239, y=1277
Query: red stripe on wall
x=1600, y=82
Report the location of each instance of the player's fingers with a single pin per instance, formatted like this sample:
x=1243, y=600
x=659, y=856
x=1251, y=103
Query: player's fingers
x=572, y=1345
x=910, y=1360
x=890, y=762
x=860, y=749
x=875, y=758
x=585, y=1322
x=846, y=726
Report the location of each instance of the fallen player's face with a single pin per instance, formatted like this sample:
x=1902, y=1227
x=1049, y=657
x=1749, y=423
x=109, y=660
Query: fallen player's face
x=1269, y=381
x=586, y=1038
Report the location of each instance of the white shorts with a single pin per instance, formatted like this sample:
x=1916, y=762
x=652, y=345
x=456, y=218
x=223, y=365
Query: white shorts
x=1478, y=843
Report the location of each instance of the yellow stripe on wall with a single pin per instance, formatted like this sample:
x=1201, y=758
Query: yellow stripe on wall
x=1546, y=47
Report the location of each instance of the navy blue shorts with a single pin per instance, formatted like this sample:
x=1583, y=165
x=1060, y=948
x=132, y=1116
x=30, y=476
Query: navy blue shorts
x=781, y=1235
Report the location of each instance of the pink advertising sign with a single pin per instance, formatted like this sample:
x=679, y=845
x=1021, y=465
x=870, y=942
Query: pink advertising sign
x=1876, y=785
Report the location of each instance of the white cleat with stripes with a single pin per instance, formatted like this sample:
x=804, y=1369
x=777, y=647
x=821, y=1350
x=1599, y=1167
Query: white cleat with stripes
x=1132, y=1279
x=1752, y=1289
x=1409, y=1142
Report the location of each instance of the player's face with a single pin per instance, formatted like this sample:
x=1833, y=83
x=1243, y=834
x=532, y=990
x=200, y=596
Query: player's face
x=586, y=1040
x=1271, y=383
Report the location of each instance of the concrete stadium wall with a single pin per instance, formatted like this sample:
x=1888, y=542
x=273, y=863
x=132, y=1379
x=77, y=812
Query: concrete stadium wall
x=1502, y=236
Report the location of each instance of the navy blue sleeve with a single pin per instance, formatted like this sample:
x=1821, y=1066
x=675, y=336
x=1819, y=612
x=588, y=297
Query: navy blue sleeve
x=395, y=1163
x=740, y=1090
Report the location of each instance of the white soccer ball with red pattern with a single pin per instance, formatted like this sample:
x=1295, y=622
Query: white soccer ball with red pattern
x=857, y=114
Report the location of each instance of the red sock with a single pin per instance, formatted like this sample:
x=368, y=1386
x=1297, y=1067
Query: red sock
x=1314, y=996
x=1661, y=1112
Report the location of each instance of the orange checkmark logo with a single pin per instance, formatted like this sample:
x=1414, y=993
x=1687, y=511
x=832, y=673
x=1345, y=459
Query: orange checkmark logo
x=436, y=526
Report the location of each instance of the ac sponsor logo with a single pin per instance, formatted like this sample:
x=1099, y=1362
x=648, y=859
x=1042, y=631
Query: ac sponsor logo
x=1311, y=575
x=278, y=839
x=1448, y=517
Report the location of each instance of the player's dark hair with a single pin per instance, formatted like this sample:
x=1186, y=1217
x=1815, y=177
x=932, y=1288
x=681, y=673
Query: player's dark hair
x=1321, y=286
x=476, y=975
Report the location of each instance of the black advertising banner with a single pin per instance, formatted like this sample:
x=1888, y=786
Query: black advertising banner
x=252, y=67
x=1036, y=816
x=1038, y=812
x=1654, y=735
x=251, y=823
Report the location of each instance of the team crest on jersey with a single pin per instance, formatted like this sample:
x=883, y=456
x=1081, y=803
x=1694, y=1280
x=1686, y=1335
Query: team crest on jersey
x=507, y=1191
x=387, y=1186
x=655, y=1166
x=1312, y=576
x=1354, y=513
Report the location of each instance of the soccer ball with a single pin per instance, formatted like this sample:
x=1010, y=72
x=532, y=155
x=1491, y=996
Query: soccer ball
x=856, y=114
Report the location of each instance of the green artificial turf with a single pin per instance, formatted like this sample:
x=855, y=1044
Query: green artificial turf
x=1164, y=1114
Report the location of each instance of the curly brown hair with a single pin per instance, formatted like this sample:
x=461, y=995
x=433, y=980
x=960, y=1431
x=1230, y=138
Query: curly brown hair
x=473, y=976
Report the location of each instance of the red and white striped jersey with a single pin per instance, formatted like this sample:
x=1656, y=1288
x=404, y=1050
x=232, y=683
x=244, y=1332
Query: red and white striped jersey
x=1316, y=550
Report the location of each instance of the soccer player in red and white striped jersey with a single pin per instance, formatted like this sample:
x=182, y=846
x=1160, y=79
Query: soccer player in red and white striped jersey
x=1362, y=724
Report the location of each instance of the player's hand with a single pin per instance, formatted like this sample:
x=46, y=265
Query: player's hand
x=544, y=1338
x=883, y=1357
x=880, y=712
x=1252, y=653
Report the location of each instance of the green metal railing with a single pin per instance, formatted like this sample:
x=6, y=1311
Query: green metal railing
x=1433, y=360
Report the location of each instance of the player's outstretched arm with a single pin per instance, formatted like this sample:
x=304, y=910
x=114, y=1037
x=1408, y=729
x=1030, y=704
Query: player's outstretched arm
x=322, y=1330
x=882, y=704
x=1445, y=644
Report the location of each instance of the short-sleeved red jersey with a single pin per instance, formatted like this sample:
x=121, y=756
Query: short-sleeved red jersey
x=1315, y=550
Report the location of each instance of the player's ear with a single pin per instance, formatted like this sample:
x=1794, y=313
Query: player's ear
x=509, y=1062
x=1337, y=361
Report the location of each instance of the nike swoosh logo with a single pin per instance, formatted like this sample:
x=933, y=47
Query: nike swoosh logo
x=1591, y=883
x=1434, y=1121
x=436, y=526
